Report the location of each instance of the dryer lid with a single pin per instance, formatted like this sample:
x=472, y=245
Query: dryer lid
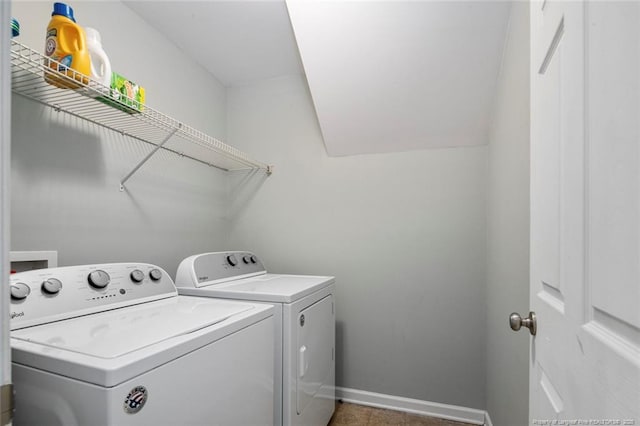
x=265, y=288
x=115, y=333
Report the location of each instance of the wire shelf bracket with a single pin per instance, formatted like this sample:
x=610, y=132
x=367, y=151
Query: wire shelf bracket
x=146, y=158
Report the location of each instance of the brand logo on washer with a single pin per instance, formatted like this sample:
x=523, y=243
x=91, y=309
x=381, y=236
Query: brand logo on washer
x=135, y=400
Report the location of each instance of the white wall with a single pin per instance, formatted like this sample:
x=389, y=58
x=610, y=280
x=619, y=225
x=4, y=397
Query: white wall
x=508, y=231
x=403, y=233
x=65, y=172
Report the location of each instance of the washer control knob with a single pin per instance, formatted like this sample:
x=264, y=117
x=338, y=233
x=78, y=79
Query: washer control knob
x=155, y=274
x=137, y=276
x=20, y=291
x=51, y=286
x=254, y=259
x=99, y=279
x=231, y=259
x=246, y=260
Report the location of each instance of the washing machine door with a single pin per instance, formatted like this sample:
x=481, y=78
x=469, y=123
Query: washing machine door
x=315, y=343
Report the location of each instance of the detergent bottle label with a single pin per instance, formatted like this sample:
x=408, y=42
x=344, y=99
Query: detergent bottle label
x=66, y=62
x=50, y=46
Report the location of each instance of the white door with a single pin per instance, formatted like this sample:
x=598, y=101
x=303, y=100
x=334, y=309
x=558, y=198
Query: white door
x=585, y=212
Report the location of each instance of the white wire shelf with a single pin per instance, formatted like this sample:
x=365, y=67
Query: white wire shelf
x=28, y=71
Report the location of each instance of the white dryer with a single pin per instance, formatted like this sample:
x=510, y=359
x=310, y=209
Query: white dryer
x=304, y=326
x=115, y=344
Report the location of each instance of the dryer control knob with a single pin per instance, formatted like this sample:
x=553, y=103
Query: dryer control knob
x=99, y=279
x=51, y=286
x=20, y=291
x=231, y=259
x=254, y=259
x=155, y=274
x=246, y=260
x=137, y=276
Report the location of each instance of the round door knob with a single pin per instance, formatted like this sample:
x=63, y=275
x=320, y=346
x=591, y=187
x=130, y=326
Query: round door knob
x=516, y=322
x=137, y=276
x=231, y=259
x=155, y=274
x=20, y=291
x=99, y=279
x=52, y=286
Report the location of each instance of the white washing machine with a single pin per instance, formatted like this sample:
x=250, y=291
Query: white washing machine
x=304, y=326
x=115, y=344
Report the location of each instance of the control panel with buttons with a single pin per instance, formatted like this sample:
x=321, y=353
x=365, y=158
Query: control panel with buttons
x=212, y=268
x=44, y=295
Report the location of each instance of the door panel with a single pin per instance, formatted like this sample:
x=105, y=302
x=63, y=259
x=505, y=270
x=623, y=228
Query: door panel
x=315, y=337
x=612, y=283
x=550, y=148
x=613, y=172
x=556, y=146
x=585, y=211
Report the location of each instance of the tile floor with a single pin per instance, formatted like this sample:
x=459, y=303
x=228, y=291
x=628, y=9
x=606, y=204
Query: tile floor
x=347, y=414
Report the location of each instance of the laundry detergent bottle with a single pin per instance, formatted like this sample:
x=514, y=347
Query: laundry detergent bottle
x=100, y=65
x=66, y=43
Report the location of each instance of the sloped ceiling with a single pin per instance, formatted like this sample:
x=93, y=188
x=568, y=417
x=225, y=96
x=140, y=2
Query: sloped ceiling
x=385, y=76
x=395, y=76
x=237, y=41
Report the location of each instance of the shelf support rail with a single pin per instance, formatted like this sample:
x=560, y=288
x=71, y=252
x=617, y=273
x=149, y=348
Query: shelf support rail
x=149, y=155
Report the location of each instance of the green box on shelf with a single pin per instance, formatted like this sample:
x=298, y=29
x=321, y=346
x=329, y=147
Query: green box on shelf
x=125, y=95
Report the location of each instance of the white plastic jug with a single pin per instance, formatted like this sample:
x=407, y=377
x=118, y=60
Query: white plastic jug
x=100, y=65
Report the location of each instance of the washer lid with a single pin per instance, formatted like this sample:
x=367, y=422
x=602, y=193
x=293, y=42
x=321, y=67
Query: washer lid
x=115, y=333
x=264, y=288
